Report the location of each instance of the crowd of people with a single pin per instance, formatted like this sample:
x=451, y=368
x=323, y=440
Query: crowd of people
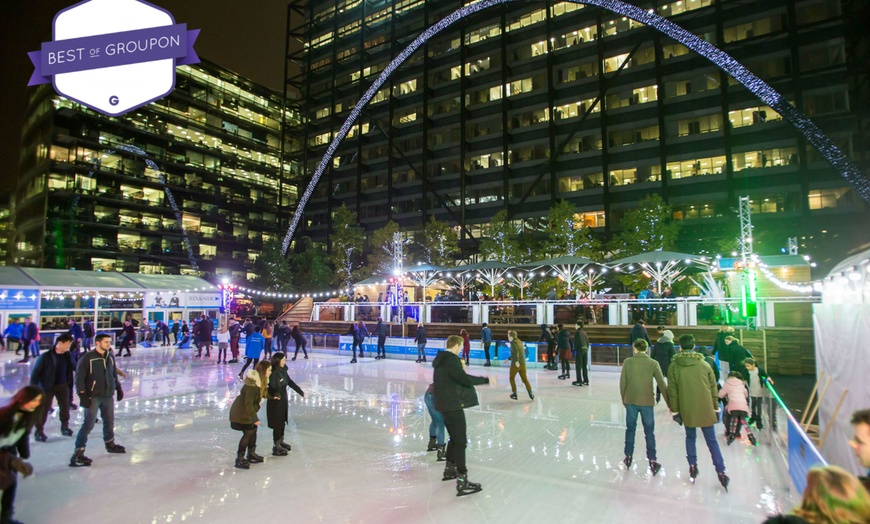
x=698, y=391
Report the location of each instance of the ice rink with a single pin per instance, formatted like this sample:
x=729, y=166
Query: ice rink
x=359, y=438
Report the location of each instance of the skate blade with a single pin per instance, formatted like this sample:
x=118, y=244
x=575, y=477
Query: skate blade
x=464, y=493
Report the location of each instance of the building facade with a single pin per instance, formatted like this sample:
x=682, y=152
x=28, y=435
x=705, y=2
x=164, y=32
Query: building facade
x=525, y=104
x=214, y=191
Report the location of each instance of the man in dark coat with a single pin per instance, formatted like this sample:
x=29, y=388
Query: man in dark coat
x=176, y=327
x=638, y=332
x=420, y=340
x=129, y=337
x=548, y=337
x=235, y=335
x=454, y=391
x=382, y=338
x=736, y=355
x=720, y=347
x=205, y=329
x=53, y=373
x=581, y=358
x=75, y=331
x=164, y=330
x=283, y=335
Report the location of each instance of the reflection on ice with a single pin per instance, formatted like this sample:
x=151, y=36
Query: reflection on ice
x=359, y=439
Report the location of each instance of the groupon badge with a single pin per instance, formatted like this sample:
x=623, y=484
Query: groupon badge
x=113, y=55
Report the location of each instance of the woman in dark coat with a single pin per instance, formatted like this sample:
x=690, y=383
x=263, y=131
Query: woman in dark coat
x=663, y=351
x=277, y=405
x=299, y=341
x=16, y=421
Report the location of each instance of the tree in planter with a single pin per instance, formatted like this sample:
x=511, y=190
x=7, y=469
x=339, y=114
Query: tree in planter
x=568, y=237
x=273, y=269
x=347, y=242
x=311, y=271
x=647, y=227
x=437, y=243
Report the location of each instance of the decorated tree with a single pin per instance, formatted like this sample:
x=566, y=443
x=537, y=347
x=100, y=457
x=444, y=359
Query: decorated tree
x=437, y=243
x=273, y=269
x=501, y=240
x=347, y=242
x=310, y=263
x=568, y=236
x=386, y=245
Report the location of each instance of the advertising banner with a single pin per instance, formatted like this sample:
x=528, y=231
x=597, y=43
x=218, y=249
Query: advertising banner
x=18, y=299
x=203, y=300
x=802, y=455
x=160, y=300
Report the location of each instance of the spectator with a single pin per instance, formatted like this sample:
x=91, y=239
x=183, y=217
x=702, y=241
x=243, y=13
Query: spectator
x=832, y=496
x=861, y=441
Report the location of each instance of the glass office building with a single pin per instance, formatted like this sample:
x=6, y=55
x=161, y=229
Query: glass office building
x=85, y=200
x=527, y=103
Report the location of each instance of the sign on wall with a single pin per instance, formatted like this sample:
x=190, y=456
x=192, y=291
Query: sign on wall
x=203, y=300
x=113, y=55
x=13, y=299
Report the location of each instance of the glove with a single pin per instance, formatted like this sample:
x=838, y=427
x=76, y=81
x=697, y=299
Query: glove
x=84, y=400
x=21, y=467
x=120, y=394
x=678, y=419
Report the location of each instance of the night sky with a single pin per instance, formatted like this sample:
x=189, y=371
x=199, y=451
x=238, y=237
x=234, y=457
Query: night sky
x=246, y=37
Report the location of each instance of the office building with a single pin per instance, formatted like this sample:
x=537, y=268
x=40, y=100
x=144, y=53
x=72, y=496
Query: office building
x=218, y=192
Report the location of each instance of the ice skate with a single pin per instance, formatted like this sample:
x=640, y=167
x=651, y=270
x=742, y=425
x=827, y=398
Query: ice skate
x=449, y=471
x=531, y=396
x=752, y=439
x=40, y=436
x=79, y=459
x=724, y=480
x=285, y=445
x=278, y=451
x=66, y=432
x=241, y=463
x=655, y=467
x=252, y=457
x=514, y=396
x=442, y=453
x=464, y=487
x=432, y=444
x=627, y=461
x=693, y=472
x=111, y=447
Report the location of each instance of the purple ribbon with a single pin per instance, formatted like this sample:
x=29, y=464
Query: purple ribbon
x=115, y=49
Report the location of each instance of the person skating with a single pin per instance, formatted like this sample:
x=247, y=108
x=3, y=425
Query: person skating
x=353, y=331
x=635, y=388
x=253, y=349
x=663, y=351
x=268, y=332
x=638, y=331
x=454, y=391
x=235, y=334
x=486, y=338
x=737, y=407
x=720, y=348
x=164, y=331
x=420, y=340
x=436, y=427
x=547, y=336
x=283, y=336
x=382, y=338
x=756, y=380
x=176, y=327
x=362, y=333
x=466, y=347
x=299, y=341
x=53, y=373
x=277, y=405
x=205, y=329
x=243, y=413
x=581, y=357
x=694, y=398
x=223, y=338
x=16, y=421
x=128, y=337
x=96, y=383
x=566, y=352
x=518, y=365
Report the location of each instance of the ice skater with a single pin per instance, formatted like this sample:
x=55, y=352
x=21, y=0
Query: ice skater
x=53, y=373
x=694, y=398
x=16, y=421
x=581, y=356
x=128, y=337
x=382, y=338
x=466, y=346
x=635, y=387
x=547, y=336
x=253, y=348
x=223, y=338
x=756, y=379
x=436, y=427
x=737, y=407
x=243, y=414
x=277, y=405
x=96, y=384
x=566, y=353
x=518, y=365
x=420, y=340
x=300, y=342
x=486, y=338
x=454, y=391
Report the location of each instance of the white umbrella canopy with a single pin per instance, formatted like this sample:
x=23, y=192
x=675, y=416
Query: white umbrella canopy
x=425, y=275
x=661, y=266
x=568, y=268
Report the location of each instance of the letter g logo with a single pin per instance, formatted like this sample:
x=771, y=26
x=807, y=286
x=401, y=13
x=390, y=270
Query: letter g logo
x=113, y=100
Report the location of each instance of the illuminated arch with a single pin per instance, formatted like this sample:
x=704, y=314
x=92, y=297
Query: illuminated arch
x=723, y=60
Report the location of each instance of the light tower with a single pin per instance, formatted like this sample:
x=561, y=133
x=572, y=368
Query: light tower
x=748, y=303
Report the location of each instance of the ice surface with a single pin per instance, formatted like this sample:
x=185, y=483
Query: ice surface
x=359, y=438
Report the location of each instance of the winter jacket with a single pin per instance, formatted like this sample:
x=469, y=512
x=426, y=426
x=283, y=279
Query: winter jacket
x=22, y=445
x=249, y=328
x=254, y=345
x=96, y=375
x=276, y=409
x=518, y=353
x=382, y=332
x=712, y=363
x=546, y=336
x=454, y=388
x=581, y=340
x=223, y=337
x=45, y=371
x=565, y=344
x=720, y=348
x=737, y=354
x=486, y=335
x=663, y=351
x=247, y=404
x=14, y=331
x=297, y=336
x=75, y=331
x=235, y=330
x=130, y=333
x=175, y=328
x=738, y=395
x=692, y=390
x=205, y=329
x=88, y=330
x=755, y=380
x=420, y=336
x=638, y=331
x=635, y=381
x=362, y=330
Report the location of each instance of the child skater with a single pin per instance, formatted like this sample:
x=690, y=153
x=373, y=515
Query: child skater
x=436, y=427
x=737, y=407
x=243, y=413
x=756, y=378
x=223, y=338
x=277, y=405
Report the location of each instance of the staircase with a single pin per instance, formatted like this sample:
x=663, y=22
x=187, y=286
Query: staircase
x=298, y=312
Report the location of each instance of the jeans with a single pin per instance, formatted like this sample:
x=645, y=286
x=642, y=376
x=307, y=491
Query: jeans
x=458, y=430
x=486, y=349
x=712, y=445
x=421, y=350
x=106, y=405
x=436, y=427
x=34, y=348
x=382, y=348
x=648, y=420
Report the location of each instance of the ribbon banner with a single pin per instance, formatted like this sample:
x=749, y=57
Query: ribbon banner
x=114, y=49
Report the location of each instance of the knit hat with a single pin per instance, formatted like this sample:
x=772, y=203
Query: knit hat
x=668, y=335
